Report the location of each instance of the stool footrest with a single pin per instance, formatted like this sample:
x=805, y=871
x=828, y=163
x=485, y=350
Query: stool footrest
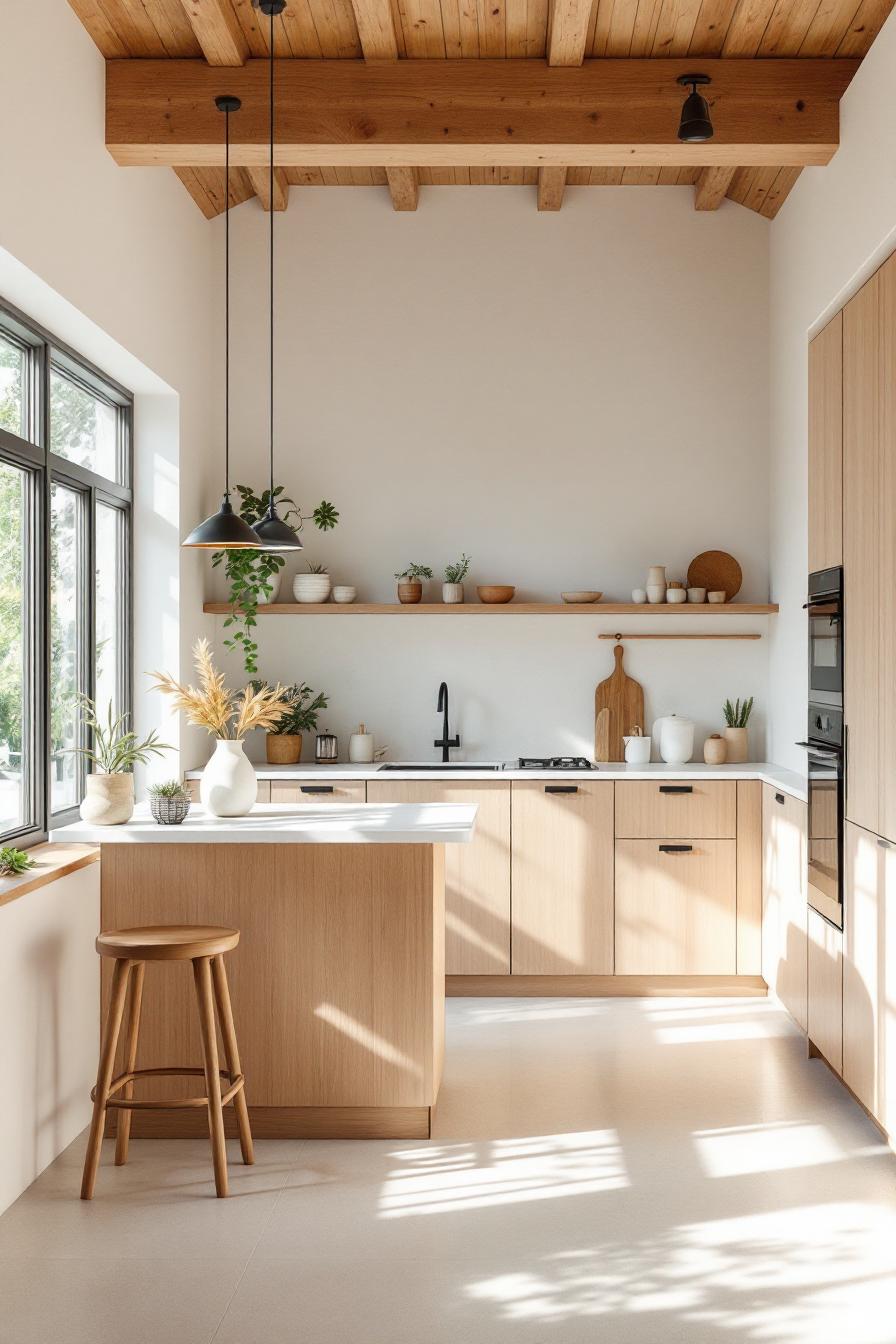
x=236, y=1082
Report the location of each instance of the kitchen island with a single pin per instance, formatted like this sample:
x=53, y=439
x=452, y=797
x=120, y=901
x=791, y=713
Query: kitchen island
x=338, y=982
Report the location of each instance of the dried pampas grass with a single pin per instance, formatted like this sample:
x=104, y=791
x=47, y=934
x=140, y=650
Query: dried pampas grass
x=222, y=712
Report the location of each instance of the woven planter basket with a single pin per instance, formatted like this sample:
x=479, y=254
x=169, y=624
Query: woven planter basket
x=169, y=811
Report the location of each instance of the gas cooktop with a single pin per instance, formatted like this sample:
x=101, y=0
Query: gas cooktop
x=552, y=763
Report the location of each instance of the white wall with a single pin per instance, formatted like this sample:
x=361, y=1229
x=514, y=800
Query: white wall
x=49, y=1023
x=566, y=397
x=836, y=227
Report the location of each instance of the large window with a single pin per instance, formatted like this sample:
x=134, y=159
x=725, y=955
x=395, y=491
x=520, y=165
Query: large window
x=65, y=522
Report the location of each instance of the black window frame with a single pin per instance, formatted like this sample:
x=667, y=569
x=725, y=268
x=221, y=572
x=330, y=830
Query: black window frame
x=44, y=353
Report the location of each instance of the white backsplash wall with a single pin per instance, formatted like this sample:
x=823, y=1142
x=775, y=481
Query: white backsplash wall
x=566, y=397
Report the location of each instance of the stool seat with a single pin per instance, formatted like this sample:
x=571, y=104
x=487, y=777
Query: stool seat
x=167, y=942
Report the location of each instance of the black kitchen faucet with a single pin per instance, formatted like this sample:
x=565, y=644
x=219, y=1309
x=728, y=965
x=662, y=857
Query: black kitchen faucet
x=442, y=708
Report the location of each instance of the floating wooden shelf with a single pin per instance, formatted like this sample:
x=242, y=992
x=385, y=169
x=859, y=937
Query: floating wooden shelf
x=505, y=609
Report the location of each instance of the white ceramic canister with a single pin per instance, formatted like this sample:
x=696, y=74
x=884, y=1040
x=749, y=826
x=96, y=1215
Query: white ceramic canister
x=360, y=746
x=228, y=787
x=637, y=750
x=675, y=739
x=656, y=575
x=639, y=596
x=656, y=593
x=676, y=595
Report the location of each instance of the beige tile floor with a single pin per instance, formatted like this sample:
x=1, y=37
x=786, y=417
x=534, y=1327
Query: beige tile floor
x=610, y=1171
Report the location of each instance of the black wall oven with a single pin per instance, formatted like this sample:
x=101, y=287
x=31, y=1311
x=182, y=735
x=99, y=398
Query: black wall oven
x=825, y=608
x=826, y=744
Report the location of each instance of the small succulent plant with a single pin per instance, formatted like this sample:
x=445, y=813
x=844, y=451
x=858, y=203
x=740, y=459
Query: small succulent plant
x=171, y=788
x=14, y=862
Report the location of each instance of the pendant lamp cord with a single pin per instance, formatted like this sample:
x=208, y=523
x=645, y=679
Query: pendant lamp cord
x=227, y=303
x=271, y=209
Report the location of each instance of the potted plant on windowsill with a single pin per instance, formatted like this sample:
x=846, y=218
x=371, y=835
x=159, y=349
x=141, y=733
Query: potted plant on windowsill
x=109, y=788
x=453, y=587
x=227, y=787
x=737, y=716
x=283, y=743
x=15, y=862
x=410, y=583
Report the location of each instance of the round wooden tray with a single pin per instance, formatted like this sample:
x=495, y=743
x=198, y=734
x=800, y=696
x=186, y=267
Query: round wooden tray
x=716, y=571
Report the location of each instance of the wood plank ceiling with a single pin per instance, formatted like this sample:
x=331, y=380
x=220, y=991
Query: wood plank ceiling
x=563, y=32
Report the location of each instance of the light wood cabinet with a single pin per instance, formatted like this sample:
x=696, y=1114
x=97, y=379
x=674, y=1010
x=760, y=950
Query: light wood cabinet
x=562, y=862
x=666, y=808
x=263, y=794
x=826, y=446
x=886, y=597
x=477, y=875
x=318, y=791
x=866, y=975
x=676, y=907
x=825, y=989
x=784, y=910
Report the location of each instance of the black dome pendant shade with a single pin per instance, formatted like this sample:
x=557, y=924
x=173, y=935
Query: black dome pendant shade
x=274, y=533
x=225, y=530
x=695, y=124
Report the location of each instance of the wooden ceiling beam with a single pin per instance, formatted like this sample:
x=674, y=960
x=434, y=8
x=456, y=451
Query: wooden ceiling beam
x=551, y=186
x=711, y=187
x=404, y=187
x=419, y=113
x=376, y=29
x=217, y=31
x=568, y=25
x=261, y=185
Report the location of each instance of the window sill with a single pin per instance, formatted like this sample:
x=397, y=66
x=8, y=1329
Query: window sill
x=53, y=861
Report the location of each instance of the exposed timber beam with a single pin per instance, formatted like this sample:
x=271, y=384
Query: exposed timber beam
x=767, y=113
x=376, y=29
x=568, y=23
x=711, y=187
x=218, y=31
x=551, y=185
x=404, y=187
x=261, y=185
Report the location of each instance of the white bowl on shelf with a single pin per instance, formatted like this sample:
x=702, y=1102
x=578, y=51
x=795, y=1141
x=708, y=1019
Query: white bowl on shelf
x=311, y=587
x=344, y=592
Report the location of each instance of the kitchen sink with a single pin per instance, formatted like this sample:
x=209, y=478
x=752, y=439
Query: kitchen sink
x=442, y=765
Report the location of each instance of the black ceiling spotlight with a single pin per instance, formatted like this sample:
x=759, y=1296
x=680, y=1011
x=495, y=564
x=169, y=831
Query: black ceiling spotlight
x=695, y=124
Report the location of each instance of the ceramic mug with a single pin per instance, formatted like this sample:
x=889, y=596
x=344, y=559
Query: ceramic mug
x=639, y=596
x=656, y=593
x=696, y=594
x=637, y=750
x=676, y=595
x=716, y=597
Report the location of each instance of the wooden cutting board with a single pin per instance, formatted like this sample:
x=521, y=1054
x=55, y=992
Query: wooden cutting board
x=624, y=698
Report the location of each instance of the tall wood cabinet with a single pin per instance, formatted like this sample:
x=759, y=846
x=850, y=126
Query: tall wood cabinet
x=826, y=446
x=784, y=909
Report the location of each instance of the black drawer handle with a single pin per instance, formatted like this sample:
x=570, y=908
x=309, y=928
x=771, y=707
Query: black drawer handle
x=676, y=849
x=316, y=788
x=561, y=788
x=676, y=788
x=779, y=798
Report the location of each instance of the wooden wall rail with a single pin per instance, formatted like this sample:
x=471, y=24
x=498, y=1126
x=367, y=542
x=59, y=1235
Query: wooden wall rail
x=467, y=112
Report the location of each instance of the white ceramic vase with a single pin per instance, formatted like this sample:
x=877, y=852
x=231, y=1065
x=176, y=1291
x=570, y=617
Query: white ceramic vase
x=675, y=738
x=274, y=581
x=452, y=593
x=311, y=587
x=108, y=799
x=656, y=593
x=228, y=787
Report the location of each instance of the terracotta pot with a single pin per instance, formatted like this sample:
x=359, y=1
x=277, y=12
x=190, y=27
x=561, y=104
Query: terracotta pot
x=738, y=749
x=715, y=750
x=283, y=748
x=409, y=592
x=108, y=799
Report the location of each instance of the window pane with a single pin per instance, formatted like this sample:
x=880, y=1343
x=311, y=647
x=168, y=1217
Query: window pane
x=67, y=643
x=83, y=427
x=12, y=388
x=15, y=698
x=111, y=560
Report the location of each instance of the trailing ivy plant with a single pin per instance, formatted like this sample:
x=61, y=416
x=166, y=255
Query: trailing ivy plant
x=251, y=574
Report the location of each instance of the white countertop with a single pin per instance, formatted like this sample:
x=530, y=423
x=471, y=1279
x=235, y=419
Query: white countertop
x=788, y=781
x=292, y=824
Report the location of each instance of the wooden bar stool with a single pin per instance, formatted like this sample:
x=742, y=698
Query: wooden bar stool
x=203, y=945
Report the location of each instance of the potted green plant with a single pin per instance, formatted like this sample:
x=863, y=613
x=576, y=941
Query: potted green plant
x=737, y=716
x=313, y=586
x=254, y=576
x=283, y=743
x=14, y=862
x=115, y=750
x=169, y=803
x=410, y=583
x=453, y=587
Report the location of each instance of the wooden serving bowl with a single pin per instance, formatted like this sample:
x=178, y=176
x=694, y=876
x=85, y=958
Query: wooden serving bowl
x=495, y=593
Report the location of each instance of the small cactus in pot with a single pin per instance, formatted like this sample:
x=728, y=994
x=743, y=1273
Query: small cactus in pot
x=169, y=803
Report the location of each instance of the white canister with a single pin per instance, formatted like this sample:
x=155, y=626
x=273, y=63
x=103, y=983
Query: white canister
x=656, y=574
x=675, y=739
x=360, y=746
x=656, y=593
x=228, y=787
x=637, y=750
x=639, y=596
x=676, y=595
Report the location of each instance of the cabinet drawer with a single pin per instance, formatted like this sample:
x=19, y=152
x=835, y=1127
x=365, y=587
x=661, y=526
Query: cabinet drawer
x=262, y=796
x=676, y=912
x=318, y=791
x=705, y=809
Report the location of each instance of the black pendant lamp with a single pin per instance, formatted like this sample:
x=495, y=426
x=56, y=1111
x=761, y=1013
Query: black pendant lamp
x=225, y=530
x=695, y=124
x=275, y=534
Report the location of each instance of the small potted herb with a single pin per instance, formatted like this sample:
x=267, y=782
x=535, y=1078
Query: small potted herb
x=109, y=789
x=169, y=803
x=453, y=587
x=737, y=717
x=410, y=583
x=14, y=862
x=283, y=744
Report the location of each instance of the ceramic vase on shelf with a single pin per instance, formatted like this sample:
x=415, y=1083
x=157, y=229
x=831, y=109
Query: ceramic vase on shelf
x=228, y=787
x=715, y=750
x=311, y=587
x=108, y=799
x=738, y=748
x=452, y=593
x=410, y=591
